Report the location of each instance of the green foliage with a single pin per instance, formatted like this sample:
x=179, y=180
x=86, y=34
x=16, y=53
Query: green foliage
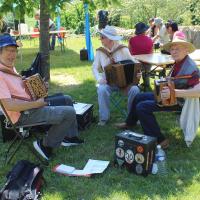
x=194, y=8
x=114, y=19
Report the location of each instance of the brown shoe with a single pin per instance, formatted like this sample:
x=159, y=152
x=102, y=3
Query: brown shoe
x=164, y=144
x=122, y=125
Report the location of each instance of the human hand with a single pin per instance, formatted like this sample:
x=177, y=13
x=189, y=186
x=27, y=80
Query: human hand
x=102, y=81
x=165, y=93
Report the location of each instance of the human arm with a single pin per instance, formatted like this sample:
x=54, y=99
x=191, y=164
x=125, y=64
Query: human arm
x=191, y=92
x=21, y=105
x=182, y=93
x=96, y=67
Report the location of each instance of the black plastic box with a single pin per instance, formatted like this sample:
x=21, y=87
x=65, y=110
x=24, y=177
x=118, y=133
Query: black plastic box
x=84, y=114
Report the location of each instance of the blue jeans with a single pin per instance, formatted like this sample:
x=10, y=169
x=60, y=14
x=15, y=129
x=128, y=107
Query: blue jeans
x=142, y=109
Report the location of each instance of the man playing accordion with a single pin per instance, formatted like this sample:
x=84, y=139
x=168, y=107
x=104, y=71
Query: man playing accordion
x=144, y=104
x=23, y=110
x=109, y=40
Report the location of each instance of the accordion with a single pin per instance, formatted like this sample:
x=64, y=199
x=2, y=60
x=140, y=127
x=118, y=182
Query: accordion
x=35, y=86
x=123, y=73
x=158, y=86
x=135, y=151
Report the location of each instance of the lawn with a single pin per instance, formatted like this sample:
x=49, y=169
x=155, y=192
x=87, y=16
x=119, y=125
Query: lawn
x=72, y=76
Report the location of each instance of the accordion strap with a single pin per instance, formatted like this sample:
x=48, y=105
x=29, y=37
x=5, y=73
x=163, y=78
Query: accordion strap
x=20, y=98
x=110, y=54
x=8, y=71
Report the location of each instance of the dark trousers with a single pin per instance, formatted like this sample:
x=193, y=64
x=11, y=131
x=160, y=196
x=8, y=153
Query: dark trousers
x=142, y=109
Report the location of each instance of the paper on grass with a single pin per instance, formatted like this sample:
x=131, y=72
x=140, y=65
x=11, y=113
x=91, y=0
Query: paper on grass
x=92, y=167
x=95, y=166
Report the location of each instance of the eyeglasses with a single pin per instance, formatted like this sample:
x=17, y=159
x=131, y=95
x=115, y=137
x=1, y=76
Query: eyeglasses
x=102, y=37
x=11, y=50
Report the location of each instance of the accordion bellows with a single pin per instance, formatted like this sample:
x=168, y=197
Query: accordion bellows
x=122, y=74
x=36, y=87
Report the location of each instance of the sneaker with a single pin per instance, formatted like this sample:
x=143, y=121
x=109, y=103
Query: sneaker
x=102, y=123
x=67, y=142
x=45, y=152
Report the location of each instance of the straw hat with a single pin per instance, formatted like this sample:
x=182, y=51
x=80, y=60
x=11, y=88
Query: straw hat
x=180, y=39
x=110, y=33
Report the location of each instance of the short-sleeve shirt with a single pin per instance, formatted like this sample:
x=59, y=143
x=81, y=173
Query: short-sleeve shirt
x=140, y=44
x=11, y=86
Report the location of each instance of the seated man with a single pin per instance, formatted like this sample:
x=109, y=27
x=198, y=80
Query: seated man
x=144, y=104
x=109, y=40
x=22, y=110
x=142, y=44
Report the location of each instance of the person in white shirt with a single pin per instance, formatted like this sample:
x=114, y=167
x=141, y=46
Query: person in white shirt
x=110, y=42
x=52, y=27
x=162, y=36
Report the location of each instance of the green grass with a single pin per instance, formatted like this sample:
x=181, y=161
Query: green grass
x=72, y=76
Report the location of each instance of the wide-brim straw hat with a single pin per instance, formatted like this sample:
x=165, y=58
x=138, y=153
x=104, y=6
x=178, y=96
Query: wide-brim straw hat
x=110, y=32
x=180, y=41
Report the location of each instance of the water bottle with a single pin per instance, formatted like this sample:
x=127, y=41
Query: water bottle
x=160, y=159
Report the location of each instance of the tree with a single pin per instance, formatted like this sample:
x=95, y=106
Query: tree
x=46, y=7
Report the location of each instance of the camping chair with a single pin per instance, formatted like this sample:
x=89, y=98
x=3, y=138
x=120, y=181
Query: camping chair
x=22, y=132
x=117, y=98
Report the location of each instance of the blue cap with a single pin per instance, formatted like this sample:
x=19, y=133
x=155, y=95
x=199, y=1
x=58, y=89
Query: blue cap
x=7, y=40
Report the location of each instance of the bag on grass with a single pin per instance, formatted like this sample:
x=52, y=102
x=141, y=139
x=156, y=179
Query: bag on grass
x=36, y=67
x=24, y=182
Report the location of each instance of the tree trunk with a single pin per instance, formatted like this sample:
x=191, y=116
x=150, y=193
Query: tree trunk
x=44, y=39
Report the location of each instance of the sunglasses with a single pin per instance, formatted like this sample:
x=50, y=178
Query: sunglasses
x=102, y=37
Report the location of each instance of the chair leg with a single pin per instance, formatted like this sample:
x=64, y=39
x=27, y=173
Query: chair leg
x=9, y=155
x=14, y=147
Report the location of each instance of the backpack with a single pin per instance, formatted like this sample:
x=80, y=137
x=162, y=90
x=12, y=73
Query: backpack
x=35, y=68
x=24, y=182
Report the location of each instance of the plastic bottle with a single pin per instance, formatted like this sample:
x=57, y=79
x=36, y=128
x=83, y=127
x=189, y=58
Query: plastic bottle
x=160, y=159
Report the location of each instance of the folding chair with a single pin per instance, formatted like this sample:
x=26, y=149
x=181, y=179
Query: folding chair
x=116, y=99
x=22, y=132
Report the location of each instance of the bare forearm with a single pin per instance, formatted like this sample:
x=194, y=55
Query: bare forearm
x=191, y=93
x=20, y=105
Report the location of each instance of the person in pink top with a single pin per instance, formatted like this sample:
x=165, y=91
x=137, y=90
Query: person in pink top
x=22, y=110
x=141, y=44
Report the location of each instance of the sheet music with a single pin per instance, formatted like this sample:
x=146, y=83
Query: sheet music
x=91, y=167
x=80, y=107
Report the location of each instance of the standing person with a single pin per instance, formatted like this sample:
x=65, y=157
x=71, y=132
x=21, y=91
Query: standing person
x=3, y=25
x=141, y=44
x=152, y=31
x=22, y=110
x=102, y=17
x=110, y=42
x=144, y=104
x=162, y=36
x=52, y=27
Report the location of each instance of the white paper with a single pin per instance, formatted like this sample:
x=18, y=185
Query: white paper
x=92, y=167
x=64, y=169
x=79, y=107
x=95, y=166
